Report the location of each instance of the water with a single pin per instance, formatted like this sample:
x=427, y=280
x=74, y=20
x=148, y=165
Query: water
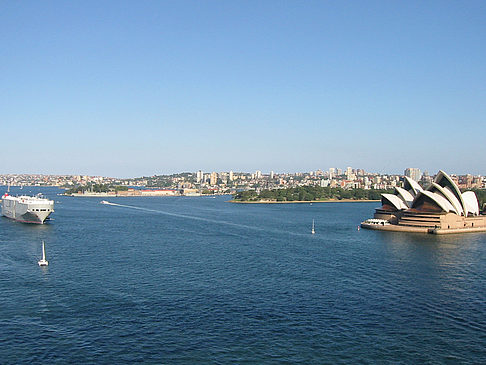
x=199, y=280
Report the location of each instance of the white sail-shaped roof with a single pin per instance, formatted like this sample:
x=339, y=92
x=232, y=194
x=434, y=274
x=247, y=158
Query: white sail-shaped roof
x=394, y=200
x=402, y=197
x=438, y=199
x=471, y=202
x=449, y=195
x=411, y=186
x=445, y=181
x=443, y=193
x=406, y=196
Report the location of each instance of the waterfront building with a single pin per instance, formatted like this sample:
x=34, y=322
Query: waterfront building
x=440, y=208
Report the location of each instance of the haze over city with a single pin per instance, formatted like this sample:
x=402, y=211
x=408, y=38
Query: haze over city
x=154, y=87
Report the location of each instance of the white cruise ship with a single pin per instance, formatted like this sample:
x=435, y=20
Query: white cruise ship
x=27, y=209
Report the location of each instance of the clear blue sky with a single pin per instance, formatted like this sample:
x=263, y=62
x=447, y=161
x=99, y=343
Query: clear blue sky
x=131, y=88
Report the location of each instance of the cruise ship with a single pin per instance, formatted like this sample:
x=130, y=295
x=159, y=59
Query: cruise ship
x=27, y=209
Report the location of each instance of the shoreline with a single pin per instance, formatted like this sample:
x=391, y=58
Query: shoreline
x=303, y=201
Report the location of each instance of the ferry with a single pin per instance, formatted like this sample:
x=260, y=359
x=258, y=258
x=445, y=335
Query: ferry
x=373, y=222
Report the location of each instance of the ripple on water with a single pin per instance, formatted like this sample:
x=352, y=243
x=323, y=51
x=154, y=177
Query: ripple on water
x=203, y=281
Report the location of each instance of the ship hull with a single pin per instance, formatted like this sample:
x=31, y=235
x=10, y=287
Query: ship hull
x=27, y=209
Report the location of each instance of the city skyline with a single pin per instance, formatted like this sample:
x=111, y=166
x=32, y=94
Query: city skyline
x=330, y=171
x=200, y=176
x=131, y=89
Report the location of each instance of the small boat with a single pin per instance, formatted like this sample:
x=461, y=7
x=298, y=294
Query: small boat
x=313, y=230
x=105, y=202
x=375, y=222
x=43, y=261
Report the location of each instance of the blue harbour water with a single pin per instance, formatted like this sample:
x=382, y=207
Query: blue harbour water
x=198, y=280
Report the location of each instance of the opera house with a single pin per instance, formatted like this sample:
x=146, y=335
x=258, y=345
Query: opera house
x=440, y=208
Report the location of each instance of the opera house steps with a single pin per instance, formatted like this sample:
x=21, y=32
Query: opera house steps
x=419, y=220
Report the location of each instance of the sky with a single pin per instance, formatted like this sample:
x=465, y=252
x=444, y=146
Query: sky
x=137, y=88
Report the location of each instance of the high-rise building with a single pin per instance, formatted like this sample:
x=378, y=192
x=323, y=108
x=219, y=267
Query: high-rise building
x=213, y=179
x=199, y=176
x=413, y=173
x=332, y=172
x=231, y=176
x=258, y=174
x=272, y=174
x=349, y=173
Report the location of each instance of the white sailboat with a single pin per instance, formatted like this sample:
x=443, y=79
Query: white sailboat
x=43, y=261
x=313, y=230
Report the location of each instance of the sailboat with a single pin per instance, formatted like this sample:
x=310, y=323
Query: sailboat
x=313, y=230
x=43, y=261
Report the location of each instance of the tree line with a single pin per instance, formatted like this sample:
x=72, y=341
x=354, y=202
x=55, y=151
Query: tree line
x=481, y=194
x=316, y=193
x=96, y=188
x=309, y=193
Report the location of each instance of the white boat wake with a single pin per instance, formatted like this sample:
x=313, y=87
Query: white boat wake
x=217, y=221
